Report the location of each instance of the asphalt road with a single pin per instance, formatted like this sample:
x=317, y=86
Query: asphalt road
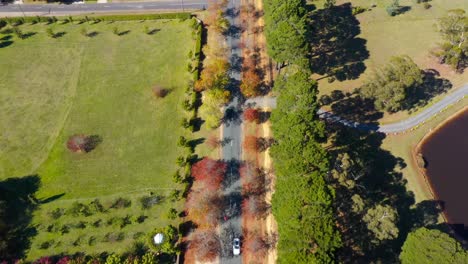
x=232, y=147
x=397, y=127
x=64, y=9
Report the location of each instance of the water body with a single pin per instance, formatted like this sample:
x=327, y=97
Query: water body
x=446, y=153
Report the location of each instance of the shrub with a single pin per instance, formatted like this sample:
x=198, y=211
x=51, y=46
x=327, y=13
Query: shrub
x=421, y=161
x=116, y=31
x=96, y=207
x=172, y=214
x=160, y=92
x=121, y=203
x=80, y=225
x=427, y=5
x=139, y=218
x=78, y=209
x=97, y=223
x=18, y=33
x=56, y=213
x=175, y=195
x=358, y=10
x=91, y=241
x=84, y=32
x=81, y=143
x=50, y=32
x=148, y=201
x=46, y=244
x=113, y=237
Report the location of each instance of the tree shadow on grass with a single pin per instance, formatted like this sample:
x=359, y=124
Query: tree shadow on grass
x=378, y=181
x=432, y=86
x=336, y=52
x=123, y=33
x=18, y=195
x=5, y=44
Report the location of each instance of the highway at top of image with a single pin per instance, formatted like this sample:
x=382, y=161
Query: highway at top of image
x=77, y=8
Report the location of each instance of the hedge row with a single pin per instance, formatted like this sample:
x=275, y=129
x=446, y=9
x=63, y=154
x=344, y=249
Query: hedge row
x=32, y=19
x=198, y=47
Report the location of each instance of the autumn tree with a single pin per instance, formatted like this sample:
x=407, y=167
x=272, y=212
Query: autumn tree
x=255, y=206
x=83, y=143
x=251, y=144
x=252, y=179
x=205, y=244
x=381, y=221
x=256, y=244
x=210, y=172
x=454, y=31
x=214, y=75
x=204, y=208
x=251, y=79
x=393, y=86
x=252, y=115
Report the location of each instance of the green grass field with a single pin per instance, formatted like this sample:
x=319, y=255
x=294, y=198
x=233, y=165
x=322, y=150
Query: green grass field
x=101, y=85
x=412, y=33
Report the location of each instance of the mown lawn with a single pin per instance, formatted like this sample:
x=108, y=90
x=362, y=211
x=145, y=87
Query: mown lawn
x=101, y=85
x=412, y=33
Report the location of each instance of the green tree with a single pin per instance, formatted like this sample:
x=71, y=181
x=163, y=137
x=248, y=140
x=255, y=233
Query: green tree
x=329, y=3
x=394, y=86
x=381, y=221
x=113, y=259
x=454, y=31
x=302, y=202
x=426, y=246
x=285, y=30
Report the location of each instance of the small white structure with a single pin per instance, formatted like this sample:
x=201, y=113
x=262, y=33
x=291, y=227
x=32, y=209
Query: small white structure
x=158, y=239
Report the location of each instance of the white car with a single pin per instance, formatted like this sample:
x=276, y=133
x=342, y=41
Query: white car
x=236, y=247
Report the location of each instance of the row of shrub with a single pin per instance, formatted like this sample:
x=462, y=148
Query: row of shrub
x=52, y=19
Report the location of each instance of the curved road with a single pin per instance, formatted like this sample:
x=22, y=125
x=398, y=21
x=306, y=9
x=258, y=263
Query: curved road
x=397, y=127
x=77, y=8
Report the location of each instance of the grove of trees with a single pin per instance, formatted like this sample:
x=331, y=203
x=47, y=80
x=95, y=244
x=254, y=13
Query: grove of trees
x=454, y=48
x=393, y=85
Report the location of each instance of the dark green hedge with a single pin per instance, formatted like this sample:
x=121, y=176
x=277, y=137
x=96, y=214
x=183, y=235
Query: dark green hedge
x=198, y=46
x=38, y=19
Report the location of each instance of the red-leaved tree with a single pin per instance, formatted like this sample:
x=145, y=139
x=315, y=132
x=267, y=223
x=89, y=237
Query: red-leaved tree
x=204, y=208
x=255, y=206
x=252, y=115
x=210, y=172
x=77, y=143
x=251, y=144
x=252, y=179
x=256, y=244
x=205, y=244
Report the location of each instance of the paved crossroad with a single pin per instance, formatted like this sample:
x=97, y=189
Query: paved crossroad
x=397, y=127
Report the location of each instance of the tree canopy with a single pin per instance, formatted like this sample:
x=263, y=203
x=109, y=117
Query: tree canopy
x=432, y=246
x=381, y=220
x=285, y=30
x=302, y=202
x=393, y=85
x=454, y=31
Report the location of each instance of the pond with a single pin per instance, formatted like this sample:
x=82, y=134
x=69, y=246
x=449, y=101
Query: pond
x=446, y=156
